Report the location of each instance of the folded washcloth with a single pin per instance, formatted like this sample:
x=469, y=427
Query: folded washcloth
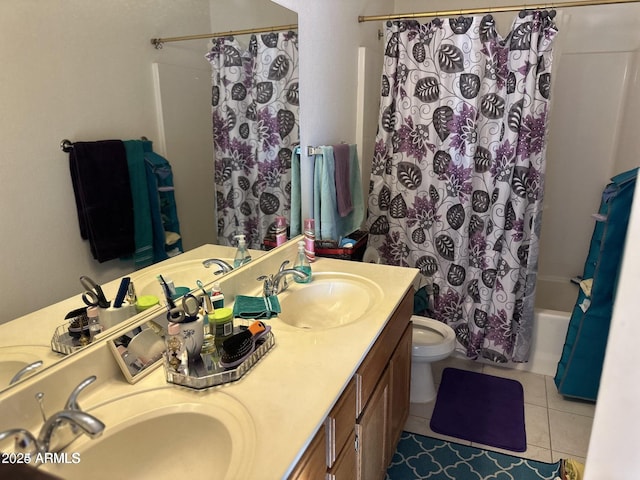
x=256, y=307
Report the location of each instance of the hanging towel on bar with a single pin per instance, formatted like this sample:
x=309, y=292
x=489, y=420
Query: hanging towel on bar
x=100, y=178
x=164, y=211
x=143, y=236
x=342, y=157
x=325, y=210
x=295, y=222
x=329, y=224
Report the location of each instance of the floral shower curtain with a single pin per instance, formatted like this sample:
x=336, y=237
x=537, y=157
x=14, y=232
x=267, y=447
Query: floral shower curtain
x=255, y=128
x=458, y=169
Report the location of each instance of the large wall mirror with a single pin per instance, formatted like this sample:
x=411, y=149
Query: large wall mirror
x=83, y=71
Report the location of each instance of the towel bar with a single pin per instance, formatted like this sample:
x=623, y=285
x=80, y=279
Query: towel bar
x=67, y=145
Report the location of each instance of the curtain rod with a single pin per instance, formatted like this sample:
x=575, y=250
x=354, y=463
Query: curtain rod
x=157, y=42
x=473, y=11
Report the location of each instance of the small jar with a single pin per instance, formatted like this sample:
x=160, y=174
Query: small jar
x=222, y=318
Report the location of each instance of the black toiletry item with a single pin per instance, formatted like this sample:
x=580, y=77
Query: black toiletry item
x=238, y=347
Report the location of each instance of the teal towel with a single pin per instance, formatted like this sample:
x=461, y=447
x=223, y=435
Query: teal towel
x=143, y=233
x=325, y=208
x=256, y=307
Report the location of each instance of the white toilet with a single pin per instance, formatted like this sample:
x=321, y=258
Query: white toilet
x=432, y=341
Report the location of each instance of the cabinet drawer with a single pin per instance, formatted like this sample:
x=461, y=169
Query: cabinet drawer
x=371, y=369
x=340, y=423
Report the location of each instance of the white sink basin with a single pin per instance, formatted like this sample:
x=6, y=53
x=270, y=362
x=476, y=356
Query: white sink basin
x=183, y=274
x=166, y=433
x=330, y=300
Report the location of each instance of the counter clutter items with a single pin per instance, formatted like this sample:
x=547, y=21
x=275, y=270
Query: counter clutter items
x=352, y=376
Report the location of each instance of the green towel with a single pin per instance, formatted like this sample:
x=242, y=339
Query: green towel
x=143, y=233
x=256, y=307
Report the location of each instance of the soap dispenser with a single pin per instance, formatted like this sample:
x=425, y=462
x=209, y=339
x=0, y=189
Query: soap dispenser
x=242, y=254
x=302, y=264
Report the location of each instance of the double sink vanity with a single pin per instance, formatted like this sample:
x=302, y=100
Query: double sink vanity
x=329, y=400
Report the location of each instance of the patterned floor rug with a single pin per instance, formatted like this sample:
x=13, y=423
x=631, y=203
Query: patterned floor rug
x=418, y=457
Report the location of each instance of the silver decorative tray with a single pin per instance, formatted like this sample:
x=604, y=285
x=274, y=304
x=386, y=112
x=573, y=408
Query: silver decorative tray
x=209, y=373
x=63, y=342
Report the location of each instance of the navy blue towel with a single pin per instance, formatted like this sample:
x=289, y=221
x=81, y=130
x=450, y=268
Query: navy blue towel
x=100, y=177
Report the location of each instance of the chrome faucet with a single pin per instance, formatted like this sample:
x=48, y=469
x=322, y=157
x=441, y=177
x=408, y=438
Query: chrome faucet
x=89, y=424
x=25, y=370
x=272, y=283
x=71, y=415
x=224, y=266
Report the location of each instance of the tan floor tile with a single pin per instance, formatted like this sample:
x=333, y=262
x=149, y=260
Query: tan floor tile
x=557, y=456
x=453, y=362
x=446, y=437
x=417, y=425
x=423, y=410
x=569, y=432
x=533, y=384
x=556, y=401
x=533, y=452
x=537, y=426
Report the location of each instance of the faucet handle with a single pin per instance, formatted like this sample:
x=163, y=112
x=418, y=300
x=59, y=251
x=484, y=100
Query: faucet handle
x=267, y=287
x=283, y=265
x=40, y=399
x=72, y=402
x=285, y=283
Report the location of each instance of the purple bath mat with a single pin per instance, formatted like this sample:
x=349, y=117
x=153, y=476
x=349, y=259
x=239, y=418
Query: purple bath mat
x=480, y=408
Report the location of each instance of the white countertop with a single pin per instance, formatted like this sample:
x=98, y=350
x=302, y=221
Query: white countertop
x=293, y=387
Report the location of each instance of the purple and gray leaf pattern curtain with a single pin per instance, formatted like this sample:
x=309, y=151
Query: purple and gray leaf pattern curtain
x=458, y=170
x=255, y=129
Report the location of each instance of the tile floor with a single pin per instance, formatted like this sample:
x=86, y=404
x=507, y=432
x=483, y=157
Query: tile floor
x=556, y=428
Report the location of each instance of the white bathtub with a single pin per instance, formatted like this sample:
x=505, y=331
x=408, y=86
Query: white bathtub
x=549, y=333
x=550, y=327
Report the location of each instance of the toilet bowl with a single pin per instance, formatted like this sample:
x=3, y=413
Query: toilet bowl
x=432, y=341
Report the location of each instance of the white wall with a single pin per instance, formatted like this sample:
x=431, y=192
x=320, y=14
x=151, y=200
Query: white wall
x=76, y=69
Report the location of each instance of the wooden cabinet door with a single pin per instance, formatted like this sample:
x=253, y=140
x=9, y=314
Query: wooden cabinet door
x=400, y=389
x=345, y=467
x=372, y=431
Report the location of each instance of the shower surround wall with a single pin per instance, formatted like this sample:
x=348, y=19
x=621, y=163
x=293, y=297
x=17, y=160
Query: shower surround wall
x=593, y=136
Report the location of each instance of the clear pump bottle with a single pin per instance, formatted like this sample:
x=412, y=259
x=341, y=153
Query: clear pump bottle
x=242, y=254
x=302, y=264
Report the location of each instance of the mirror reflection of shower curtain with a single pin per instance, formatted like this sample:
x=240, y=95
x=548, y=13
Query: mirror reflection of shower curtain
x=458, y=168
x=255, y=130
